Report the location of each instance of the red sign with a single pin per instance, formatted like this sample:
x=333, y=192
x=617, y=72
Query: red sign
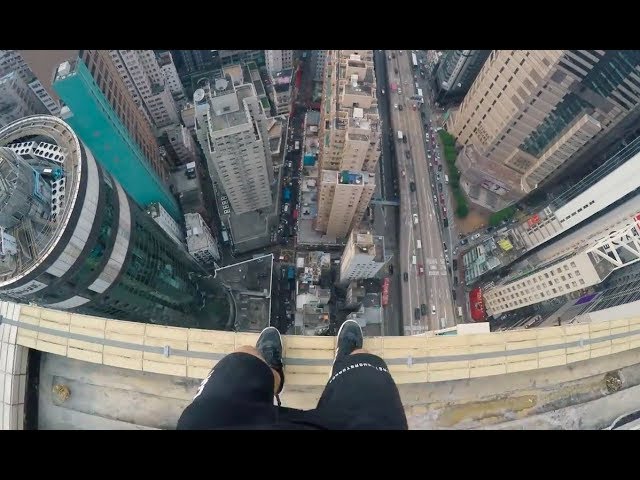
x=534, y=220
x=385, y=291
x=478, y=313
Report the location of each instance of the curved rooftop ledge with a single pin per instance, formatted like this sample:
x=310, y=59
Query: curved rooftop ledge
x=435, y=375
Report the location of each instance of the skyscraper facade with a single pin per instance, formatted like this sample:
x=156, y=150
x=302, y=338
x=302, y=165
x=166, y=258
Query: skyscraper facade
x=349, y=141
x=100, y=109
x=278, y=60
x=232, y=131
x=13, y=61
x=456, y=72
x=72, y=239
x=531, y=113
x=147, y=84
x=17, y=100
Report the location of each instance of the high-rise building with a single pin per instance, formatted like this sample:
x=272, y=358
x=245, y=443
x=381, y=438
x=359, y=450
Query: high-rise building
x=570, y=273
x=12, y=61
x=456, y=72
x=318, y=60
x=363, y=257
x=343, y=198
x=200, y=242
x=146, y=83
x=72, y=239
x=232, y=131
x=350, y=133
x=532, y=113
x=278, y=60
x=100, y=109
x=168, y=69
x=17, y=100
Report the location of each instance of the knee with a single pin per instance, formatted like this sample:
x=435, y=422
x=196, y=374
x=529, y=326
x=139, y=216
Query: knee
x=250, y=350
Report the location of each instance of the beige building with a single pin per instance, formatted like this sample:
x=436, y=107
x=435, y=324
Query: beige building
x=349, y=140
x=531, y=113
x=363, y=257
x=278, y=60
x=147, y=84
x=343, y=199
x=232, y=129
x=561, y=278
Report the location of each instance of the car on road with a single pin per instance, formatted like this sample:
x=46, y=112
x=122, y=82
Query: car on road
x=412, y=187
x=455, y=264
x=405, y=276
x=416, y=313
x=393, y=55
x=420, y=269
x=390, y=269
x=404, y=173
x=395, y=105
x=439, y=186
x=433, y=309
x=455, y=280
x=475, y=236
x=440, y=167
x=444, y=245
x=453, y=294
x=445, y=222
x=395, y=70
x=423, y=309
x=415, y=218
x=400, y=107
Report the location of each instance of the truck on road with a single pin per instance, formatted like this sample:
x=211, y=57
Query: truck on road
x=400, y=135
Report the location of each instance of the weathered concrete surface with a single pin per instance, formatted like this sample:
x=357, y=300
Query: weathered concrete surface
x=570, y=397
x=541, y=397
x=104, y=397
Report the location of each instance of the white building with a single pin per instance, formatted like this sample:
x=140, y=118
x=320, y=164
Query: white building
x=172, y=79
x=200, y=243
x=232, y=130
x=278, y=60
x=166, y=222
x=567, y=274
x=363, y=257
x=280, y=91
x=147, y=84
x=10, y=61
x=17, y=100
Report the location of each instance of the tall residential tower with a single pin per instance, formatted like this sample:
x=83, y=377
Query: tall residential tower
x=349, y=141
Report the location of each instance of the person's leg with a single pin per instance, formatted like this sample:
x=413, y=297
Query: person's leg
x=360, y=393
x=239, y=390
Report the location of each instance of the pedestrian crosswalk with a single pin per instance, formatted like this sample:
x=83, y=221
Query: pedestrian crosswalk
x=437, y=267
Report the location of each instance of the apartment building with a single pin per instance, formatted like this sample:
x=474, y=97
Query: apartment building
x=147, y=84
x=318, y=58
x=231, y=126
x=343, y=198
x=17, y=100
x=363, y=257
x=278, y=60
x=531, y=113
x=349, y=136
x=13, y=61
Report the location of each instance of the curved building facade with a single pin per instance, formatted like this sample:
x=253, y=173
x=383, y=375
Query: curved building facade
x=72, y=239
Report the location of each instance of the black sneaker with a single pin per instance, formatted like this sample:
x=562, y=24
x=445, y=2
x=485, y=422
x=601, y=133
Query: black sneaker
x=349, y=338
x=270, y=347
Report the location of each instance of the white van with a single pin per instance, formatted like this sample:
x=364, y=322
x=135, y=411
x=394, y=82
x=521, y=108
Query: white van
x=446, y=179
x=399, y=134
x=419, y=244
x=460, y=311
x=414, y=260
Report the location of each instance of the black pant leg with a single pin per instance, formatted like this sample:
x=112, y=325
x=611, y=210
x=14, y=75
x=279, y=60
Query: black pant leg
x=361, y=394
